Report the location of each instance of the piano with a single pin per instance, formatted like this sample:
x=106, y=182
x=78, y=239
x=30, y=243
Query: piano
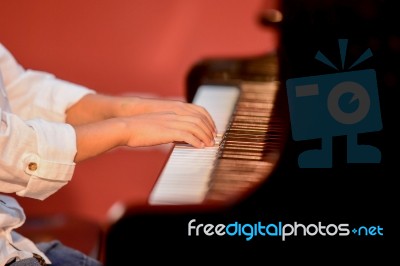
x=248, y=145
x=252, y=174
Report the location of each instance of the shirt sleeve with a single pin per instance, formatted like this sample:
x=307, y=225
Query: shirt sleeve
x=37, y=94
x=37, y=156
x=37, y=147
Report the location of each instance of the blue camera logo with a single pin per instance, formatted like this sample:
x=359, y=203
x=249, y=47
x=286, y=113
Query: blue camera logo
x=324, y=106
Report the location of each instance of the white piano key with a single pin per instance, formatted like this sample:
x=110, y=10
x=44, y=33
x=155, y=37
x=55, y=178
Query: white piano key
x=185, y=177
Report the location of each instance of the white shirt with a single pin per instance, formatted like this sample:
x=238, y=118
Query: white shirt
x=37, y=147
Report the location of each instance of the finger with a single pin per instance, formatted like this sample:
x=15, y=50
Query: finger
x=202, y=121
x=184, y=108
x=186, y=137
x=204, y=112
x=197, y=123
x=193, y=129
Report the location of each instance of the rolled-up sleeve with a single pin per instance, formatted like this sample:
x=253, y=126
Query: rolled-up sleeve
x=37, y=156
x=37, y=147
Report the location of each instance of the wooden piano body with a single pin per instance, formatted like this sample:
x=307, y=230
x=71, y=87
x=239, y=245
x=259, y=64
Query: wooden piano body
x=281, y=192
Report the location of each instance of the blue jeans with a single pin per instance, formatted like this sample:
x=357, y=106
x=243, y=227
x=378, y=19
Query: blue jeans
x=60, y=255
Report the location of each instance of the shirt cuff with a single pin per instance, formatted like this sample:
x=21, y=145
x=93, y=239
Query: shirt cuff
x=53, y=165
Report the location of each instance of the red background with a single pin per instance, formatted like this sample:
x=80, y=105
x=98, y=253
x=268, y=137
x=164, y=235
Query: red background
x=126, y=46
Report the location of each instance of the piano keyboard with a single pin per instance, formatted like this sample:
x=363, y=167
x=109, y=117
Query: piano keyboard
x=238, y=158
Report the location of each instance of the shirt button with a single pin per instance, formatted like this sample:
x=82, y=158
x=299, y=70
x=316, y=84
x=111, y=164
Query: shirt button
x=32, y=166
